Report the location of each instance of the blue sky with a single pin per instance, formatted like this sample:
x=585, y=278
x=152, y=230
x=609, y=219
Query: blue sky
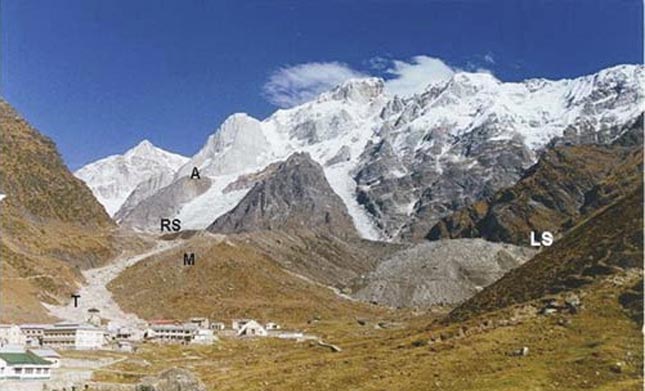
x=99, y=76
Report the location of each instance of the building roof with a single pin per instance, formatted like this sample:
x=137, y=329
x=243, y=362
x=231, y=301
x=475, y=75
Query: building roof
x=26, y=358
x=183, y=326
x=34, y=326
x=11, y=348
x=252, y=324
x=163, y=321
x=45, y=352
x=74, y=326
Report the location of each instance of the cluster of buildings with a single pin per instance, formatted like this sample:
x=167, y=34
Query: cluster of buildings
x=203, y=331
x=28, y=351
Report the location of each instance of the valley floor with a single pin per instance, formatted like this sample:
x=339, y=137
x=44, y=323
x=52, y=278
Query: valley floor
x=598, y=348
x=94, y=293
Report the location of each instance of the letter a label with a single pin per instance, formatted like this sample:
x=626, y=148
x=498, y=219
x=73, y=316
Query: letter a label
x=195, y=174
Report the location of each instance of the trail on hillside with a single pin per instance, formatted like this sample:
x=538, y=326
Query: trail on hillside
x=94, y=294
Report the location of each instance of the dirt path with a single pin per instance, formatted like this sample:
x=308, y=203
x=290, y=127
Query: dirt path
x=94, y=294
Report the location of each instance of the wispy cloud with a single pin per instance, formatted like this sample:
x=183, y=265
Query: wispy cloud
x=409, y=77
x=290, y=86
x=293, y=85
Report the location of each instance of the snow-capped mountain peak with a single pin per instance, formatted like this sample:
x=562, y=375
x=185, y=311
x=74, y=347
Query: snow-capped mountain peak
x=144, y=147
x=400, y=163
x=357, y=90
x=113, y=178
x=237, y=144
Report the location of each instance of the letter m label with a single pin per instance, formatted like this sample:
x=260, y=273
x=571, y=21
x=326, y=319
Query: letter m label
x=189, y=259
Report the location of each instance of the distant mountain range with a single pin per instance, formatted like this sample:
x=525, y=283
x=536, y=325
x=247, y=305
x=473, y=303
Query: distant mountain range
x=451, y=181
x=399, y=164
x=469, y=159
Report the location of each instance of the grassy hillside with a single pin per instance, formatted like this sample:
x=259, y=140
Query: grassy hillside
x=51, y=226
x=599, y=348
x=230, y=279
x=609, y=241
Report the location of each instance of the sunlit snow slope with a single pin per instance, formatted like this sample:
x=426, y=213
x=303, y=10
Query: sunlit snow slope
x=400, y=163
x=113, y=178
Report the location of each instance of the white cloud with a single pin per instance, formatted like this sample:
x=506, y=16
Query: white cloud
x=489, y=58
x=293, y=85
x=414, y=76
x=290, y=86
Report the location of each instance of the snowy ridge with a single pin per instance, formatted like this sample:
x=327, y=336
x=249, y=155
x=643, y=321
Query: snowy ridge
x=113, y=178
x=376, y=147
x=345, y=116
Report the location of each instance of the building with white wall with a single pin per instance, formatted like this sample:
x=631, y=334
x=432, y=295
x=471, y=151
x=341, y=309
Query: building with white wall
x=171, y=332
x=252, y=329
x=203, y=337
x=10, y=334
x=34, y=333
x=24, y=366
x=74, y=336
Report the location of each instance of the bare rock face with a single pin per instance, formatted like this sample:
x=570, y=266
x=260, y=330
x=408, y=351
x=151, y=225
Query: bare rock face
x=609, y=242
x=440, y=273
x=344, y=154
x=247, y=181
x=567, y=183
x=175, y=379
x=143, y=191
x=163, y=204
x=295, y=196
x=455, y=143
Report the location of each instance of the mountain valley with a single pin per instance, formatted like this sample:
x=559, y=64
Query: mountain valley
x=395, y=230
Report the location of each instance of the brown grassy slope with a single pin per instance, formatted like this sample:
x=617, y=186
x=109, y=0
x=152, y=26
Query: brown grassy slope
x=50, y=224
x=610, y=240
x=37, y=182
x=321, y=257
x=578, y=356
x=548, y=198
x=620, y=180
x=228, y=280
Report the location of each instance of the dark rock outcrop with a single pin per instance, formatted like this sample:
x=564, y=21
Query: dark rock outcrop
x=609, y=241
x=295, y=196
x=567, y=183
x=165, y=202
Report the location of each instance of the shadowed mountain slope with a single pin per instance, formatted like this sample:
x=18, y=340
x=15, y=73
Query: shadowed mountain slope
x=609, y=241
x=552, y=196
x=51, y=225
x=294, y=197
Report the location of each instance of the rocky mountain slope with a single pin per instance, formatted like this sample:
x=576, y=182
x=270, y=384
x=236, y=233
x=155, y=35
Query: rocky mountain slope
x=401, y=163
x=294, y=197
x=163, y=203
x=567, y=183
x=113, y=178
x=439, y=273
x=608, y=242
x=51, y=225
